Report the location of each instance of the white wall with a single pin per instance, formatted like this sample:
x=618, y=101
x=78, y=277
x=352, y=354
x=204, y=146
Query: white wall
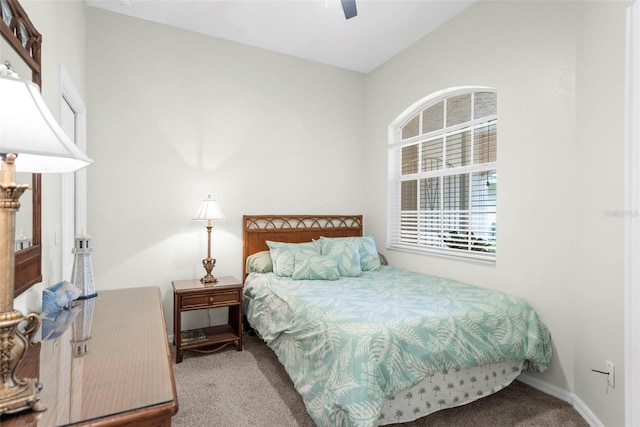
x=63, y=28
x=175, y=115
x=599, y=290
x=546, y=60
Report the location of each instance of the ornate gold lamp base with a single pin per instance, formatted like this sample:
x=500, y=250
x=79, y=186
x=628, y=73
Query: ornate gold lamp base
x=27, y=397
x=208, y=264
x=17, y=395
x=21, y=394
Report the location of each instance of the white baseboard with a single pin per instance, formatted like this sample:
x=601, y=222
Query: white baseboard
x=571, y=398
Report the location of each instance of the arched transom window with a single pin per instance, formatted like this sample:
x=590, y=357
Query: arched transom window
x=443, y=175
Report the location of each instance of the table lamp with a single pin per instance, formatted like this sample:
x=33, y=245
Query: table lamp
x=30, y=141
x=209, y=211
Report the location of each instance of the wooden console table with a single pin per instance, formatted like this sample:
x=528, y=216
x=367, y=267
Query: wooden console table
x=110, y=367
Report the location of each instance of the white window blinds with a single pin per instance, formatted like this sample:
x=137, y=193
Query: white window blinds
x=443, y=175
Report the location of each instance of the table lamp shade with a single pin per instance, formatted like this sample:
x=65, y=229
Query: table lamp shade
x=28, y=129
x=209, y=210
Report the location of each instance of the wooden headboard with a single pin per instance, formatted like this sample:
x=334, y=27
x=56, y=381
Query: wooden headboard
x=293, y=229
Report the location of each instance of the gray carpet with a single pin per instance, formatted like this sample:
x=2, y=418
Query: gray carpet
x=251, y=388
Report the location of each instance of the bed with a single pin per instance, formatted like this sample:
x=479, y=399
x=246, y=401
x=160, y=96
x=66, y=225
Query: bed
x=380, y=345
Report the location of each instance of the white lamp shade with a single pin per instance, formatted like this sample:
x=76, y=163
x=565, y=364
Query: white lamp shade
x=28, y=129
x=209, y=210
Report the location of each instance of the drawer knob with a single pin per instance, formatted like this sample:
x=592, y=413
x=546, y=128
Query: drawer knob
x=211, y=299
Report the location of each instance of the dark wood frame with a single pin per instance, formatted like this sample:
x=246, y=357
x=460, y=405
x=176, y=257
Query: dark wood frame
x=293, y=229
x=28, y=262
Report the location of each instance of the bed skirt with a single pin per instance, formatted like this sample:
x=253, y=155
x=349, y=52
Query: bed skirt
x=447, y=390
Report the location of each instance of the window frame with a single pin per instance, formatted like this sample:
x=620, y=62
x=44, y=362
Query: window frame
x=395, y=177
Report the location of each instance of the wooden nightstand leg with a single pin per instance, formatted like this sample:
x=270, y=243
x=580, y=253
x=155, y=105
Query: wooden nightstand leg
x=235, y=319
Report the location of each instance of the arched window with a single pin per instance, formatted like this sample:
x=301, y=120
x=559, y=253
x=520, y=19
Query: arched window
x=442, y=175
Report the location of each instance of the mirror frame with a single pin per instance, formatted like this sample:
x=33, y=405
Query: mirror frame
x=27, y=42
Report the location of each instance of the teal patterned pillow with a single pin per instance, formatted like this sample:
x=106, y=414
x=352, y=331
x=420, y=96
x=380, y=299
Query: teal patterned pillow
x=282, y=255
x=348, y=255
x=315, y=267
x=260, y=262
x=369, y=259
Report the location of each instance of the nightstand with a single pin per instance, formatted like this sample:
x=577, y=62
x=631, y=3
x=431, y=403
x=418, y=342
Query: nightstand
x=192, y=295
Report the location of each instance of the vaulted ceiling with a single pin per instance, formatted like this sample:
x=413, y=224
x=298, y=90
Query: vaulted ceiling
x=312, y=29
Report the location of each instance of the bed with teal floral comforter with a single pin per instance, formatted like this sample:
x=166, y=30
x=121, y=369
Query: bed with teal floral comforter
x=350, y=344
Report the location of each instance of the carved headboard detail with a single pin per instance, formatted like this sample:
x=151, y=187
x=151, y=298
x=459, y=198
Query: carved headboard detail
x=293, y=229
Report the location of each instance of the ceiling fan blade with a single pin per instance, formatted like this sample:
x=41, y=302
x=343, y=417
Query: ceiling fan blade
x=349, y=7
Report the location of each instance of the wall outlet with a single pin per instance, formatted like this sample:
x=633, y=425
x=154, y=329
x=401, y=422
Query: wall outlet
x=611, y=378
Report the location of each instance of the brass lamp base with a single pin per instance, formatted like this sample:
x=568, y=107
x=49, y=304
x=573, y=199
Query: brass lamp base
x=21, y=394
x=208, y=264
x=17, y=395
x=22, y=397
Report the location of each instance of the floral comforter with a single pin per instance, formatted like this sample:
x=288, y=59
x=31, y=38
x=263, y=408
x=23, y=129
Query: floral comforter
x=348, y=345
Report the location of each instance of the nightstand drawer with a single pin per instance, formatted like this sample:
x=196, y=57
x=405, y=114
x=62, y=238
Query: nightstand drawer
x=210, y=300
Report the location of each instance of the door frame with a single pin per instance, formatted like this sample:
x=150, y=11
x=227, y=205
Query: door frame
x=74, y=184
